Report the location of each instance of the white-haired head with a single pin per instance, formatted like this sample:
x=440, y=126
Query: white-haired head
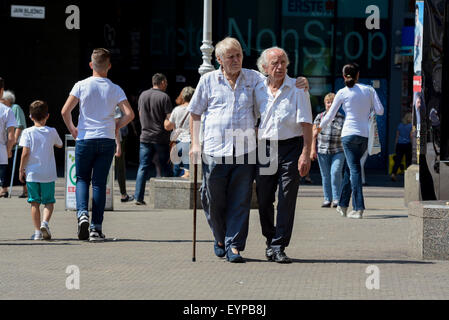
x=262, y=62
x=226, y=44
x=10, y=96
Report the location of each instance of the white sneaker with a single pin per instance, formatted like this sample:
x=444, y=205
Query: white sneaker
x=356, y=214
x=36, y=236
x=45, y=229
x=342, y=211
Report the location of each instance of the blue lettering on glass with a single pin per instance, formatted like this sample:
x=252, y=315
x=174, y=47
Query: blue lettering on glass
x=188, y=41
x=371, y=54
x=268, y=32
x=351, y=40
x=310, y=36
x=359, y=41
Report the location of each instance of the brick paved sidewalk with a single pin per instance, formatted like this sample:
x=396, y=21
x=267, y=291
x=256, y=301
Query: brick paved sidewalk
x=149, y=256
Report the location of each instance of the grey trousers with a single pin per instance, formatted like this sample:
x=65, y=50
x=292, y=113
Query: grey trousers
x=226, y=197
x=286, y=180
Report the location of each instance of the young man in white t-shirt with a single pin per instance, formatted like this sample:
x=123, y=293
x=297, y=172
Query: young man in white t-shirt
x=38, y=168
x=7, y=141
x=95, y=139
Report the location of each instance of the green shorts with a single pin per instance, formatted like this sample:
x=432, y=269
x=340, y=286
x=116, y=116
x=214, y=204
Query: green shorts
x=42, y=193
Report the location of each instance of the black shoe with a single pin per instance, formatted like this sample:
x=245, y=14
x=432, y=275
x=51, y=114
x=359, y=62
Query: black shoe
x=127, y=199
x=326, y=204
x=141, y=203
x=269, y=253
x=281, y=257
x=96, y=236
x=23, y=196
x=83, y=228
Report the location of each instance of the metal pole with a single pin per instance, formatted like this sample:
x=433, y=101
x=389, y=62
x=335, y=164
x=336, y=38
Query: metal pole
x=195, y=188
x=13, y=171
x=207, y=48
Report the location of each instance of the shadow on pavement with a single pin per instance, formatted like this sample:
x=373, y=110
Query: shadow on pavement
x=360, y=261
x=36, y=243
x=385, y=217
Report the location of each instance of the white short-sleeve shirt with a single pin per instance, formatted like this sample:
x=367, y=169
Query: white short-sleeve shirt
x=281, y=115
x=7, y=120
x=98, y=98
x=41, y=166
x=228, y=113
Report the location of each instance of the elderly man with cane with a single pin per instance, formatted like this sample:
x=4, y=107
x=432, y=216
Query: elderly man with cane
x=226, y=99
x=285, y=135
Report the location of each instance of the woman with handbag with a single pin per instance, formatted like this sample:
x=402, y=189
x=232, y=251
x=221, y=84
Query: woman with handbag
x=357, y=100
x=180, y=137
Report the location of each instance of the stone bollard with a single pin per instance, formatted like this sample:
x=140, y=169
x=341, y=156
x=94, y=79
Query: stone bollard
x=177, y=193
x=412, y=191
x=429, y=230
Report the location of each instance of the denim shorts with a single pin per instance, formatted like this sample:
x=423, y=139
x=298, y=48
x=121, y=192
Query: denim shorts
x=42, y=193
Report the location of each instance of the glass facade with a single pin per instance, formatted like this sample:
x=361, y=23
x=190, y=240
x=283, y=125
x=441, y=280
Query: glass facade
x=146, y=37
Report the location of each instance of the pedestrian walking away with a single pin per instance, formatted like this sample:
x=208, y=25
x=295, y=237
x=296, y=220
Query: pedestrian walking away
x=7, y=141
x=179, y=124
x=403, y=145
x=358, y=101
x=12, y=174
x=120, y=159
x=95, y=135
x=38, y=168
x=154, y=108
x=286, y=122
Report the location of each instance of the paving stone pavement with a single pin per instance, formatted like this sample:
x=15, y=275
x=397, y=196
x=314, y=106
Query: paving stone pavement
x=149, y=256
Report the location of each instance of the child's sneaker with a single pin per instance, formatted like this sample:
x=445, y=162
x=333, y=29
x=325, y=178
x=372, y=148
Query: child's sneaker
x=45, y=229
x=36, y=236
x=96, y=236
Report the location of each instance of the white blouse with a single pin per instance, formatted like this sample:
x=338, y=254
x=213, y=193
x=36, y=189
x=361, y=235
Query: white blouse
x=358, y=102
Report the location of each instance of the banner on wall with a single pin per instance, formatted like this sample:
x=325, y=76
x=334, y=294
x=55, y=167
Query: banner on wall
x=418, y=101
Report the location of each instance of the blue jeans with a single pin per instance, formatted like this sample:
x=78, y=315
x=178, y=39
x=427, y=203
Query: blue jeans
x=226, y=197
x=147, y=153
x=354, y=147
x=93, y=160
x=331, y=167
x=183, y=154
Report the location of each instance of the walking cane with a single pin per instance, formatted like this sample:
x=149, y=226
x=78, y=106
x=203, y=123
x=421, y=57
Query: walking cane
x=13, y=171
x=195, y=183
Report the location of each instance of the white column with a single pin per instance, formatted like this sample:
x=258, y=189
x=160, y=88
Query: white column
x=207, y=48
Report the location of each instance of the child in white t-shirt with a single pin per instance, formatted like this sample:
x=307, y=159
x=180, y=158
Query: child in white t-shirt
x=38, y=167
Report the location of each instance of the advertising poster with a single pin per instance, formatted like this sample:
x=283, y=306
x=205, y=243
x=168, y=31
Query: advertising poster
x=70, y=187
x=418, y=101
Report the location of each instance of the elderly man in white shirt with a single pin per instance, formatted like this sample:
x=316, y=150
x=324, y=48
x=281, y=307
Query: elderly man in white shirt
x=285, y=137
x=225, y=98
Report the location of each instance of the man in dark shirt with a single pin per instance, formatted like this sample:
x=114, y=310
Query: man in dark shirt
x=154, y=108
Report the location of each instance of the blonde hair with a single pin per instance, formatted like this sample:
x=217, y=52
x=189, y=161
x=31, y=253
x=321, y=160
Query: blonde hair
x=407, y=118
x=226, y=44
x=329, y=96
